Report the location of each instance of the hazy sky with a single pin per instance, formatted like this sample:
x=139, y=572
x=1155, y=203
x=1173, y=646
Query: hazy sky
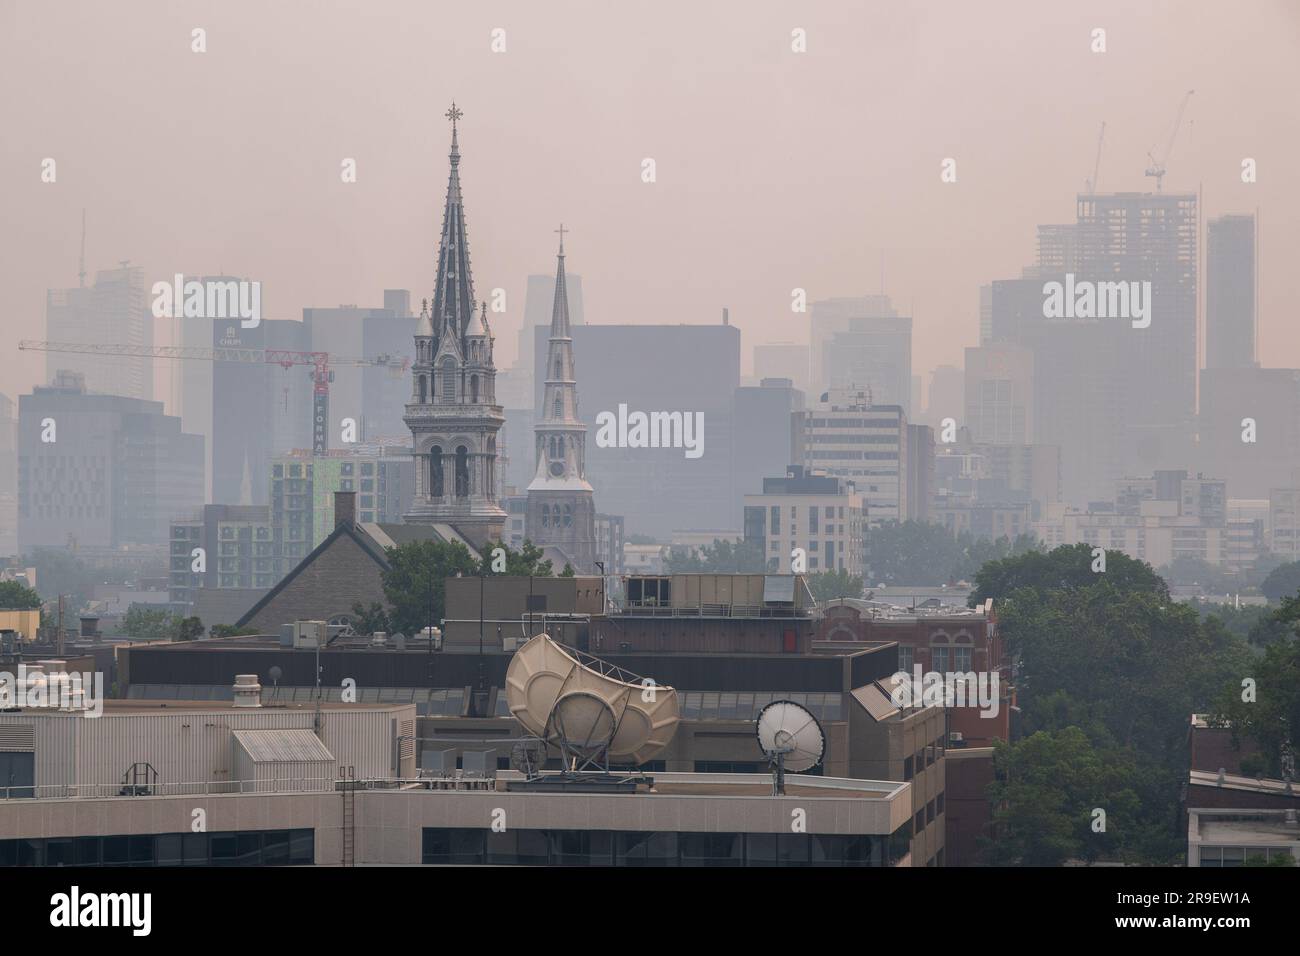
x=775, y=169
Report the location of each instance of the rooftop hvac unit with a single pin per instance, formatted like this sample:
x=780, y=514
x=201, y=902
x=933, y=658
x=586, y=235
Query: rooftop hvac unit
x=956, y=739
x=479, y=764
x=310, y=634
x=438, y=763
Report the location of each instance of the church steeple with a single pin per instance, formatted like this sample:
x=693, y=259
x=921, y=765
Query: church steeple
x=561, y=510
x=453, y=414
x=453, y=295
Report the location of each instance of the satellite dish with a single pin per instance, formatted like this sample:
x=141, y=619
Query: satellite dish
x=791, y=739
x=593, y=711
x=528, y=756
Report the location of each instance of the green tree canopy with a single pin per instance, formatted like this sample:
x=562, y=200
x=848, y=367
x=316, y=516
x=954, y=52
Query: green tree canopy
x=1069, y=566
x=16, y=596
x=829, y=585
x=414, y=584
x=1267, y=710
x=1283, y=581
x=722, y=557
x=922, y=554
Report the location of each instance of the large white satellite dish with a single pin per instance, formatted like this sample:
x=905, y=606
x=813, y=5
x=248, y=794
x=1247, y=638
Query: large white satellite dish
x=791, y=739
x=593, y=711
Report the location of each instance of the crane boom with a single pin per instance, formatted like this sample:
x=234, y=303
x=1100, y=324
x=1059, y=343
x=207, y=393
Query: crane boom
x=1096, y=163
x=1157, y=167
x=285, y=358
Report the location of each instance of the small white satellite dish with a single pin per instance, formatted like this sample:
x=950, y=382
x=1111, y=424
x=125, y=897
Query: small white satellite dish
x=791, y=739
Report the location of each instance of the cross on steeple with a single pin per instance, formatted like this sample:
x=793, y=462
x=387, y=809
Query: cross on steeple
x=562, y=231
x=454, y=114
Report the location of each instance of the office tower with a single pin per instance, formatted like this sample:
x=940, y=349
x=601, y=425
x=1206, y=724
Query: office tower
x=760, y=428
x=1250, y=427
x=372, y=396
x=986, y=313
x=561, y=509
x=668, y=370
x=821, y=514
x=920, y=471
x=851, y=436
x=452, y=412
x=114, y=474
x=947, y=397
x=999, y=385
x=259, y=409
x=862, y=342
x=1230, y=293
x=8, y=476
x=829, y=316
x=782, y=360
x=114, y=311
x=1116, y=398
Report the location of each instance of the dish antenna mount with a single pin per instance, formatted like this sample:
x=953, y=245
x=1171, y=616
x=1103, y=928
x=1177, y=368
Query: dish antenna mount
x=791, y=739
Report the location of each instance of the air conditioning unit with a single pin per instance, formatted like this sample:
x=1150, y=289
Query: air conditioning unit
x=310, y=634
x=955, y=737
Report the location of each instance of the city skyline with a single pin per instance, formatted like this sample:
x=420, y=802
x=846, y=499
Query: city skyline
x=856, y=209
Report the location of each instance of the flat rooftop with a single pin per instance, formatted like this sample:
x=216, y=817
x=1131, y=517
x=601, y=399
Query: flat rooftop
x=127, y=708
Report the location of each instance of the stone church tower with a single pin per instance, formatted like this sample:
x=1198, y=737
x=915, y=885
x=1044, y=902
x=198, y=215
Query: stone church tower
x=561, y=512
x=452, y=414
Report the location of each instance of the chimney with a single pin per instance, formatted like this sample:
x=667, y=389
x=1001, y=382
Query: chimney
x=345, y=508
x=248, y=691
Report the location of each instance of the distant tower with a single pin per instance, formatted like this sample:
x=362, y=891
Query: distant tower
x=561, y=508
x=453, y=415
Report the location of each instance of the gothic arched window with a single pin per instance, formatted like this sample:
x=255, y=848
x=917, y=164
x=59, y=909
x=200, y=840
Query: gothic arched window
x=473, y=389
x=435, y=472
x=449, y=379
x=568, y=516
x=423, y=385
x=559, y=368
x=559, y=407
x=546, y=516
x=462, y=472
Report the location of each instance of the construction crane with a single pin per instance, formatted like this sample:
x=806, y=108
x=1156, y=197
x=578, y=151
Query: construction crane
x=1157, y=167
x=1096, y=164
x=320, y=363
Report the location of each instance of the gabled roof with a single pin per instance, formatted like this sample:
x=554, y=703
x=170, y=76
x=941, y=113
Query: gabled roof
x=372, y=544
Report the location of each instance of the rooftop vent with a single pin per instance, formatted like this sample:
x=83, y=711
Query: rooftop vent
x=248, y=691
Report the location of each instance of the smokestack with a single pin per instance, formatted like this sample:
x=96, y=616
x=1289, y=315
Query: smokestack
x=345, y=508
x=726, y=316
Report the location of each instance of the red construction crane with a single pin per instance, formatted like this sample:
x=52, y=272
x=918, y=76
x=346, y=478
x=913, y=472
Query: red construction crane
x=285, y=358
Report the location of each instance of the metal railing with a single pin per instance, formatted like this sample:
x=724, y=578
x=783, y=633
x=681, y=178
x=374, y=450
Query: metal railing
x=714, y=610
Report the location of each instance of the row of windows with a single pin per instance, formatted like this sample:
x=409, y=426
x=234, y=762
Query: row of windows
x=1242, y=855
x=478, y=847
x=230, y=848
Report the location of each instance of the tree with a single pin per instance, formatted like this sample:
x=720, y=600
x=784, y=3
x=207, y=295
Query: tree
x=722, y=557
x=145, y=623
x=16, y=596
x=187, y=628
x=229, y=630
x=829, y=585
x=568, y=571
x=1283, y=581
x=414, y=581
x=1069, y=566
x=369, y=620
x=526, y=562
x=1044, y=799
x=1268, y=710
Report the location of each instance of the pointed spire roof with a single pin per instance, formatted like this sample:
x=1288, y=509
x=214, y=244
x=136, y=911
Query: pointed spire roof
x=560, y=309
x=453, y=295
